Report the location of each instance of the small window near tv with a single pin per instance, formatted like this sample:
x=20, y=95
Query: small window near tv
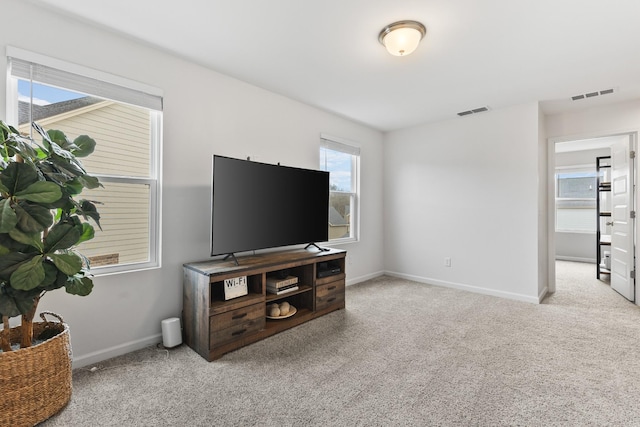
x=342, y=161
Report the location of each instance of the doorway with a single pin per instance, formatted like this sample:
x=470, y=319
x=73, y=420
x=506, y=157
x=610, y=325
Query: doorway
x=574, y=189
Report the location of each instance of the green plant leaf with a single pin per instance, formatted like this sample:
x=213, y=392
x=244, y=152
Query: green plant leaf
x=40, y=192
x=4, y=250
x=88, y=210
x=70, y=169
x=74, y=187
x=85, y=145
x=50, y=273
x=29, y=275
x=18, y=176
x=68, y=263
x=8, y=217
x=33, y=218
x=59, y=151
x=16, y=301
x=62, y=236
x=11, y=245
x=42, y=132
x=8, y=306
x=88, y=233
x=61, y=139
x=30, y=239
x=79, y=286
x=48, y=169
x=3, y=189
x=89, y=181
x=10, y=262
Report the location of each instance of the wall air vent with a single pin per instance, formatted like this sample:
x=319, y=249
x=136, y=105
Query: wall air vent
x=474, y=111
x=592, y=94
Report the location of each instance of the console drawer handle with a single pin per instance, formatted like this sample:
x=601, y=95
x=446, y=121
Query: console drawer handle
x=238, y=316
x=330, y=288
x=331, y=299
x=240, y=332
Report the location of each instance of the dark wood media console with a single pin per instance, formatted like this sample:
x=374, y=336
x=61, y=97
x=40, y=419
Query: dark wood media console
x=214, y=326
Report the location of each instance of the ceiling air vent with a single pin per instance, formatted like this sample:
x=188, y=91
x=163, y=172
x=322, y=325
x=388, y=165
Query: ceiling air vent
x=592, y=94
x=474, y=111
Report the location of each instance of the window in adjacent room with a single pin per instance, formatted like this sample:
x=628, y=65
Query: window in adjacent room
x=125, y=119
x=342, y=161
x=576, y=200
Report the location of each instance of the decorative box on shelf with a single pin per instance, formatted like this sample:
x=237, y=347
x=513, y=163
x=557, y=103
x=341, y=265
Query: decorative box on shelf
x=236, y=287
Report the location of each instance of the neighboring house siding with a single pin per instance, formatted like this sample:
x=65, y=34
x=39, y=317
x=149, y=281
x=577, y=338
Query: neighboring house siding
x=124, y=208
x=338, y=231
x=125, y=152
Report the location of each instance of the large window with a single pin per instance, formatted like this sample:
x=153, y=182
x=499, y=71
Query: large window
x=576, y=200
x=124, y=118
x=342, y=162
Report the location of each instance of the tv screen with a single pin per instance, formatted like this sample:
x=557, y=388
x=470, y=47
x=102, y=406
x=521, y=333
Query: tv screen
x=258, y=205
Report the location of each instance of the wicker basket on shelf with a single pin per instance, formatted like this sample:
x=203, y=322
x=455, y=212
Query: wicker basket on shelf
x=36, y=381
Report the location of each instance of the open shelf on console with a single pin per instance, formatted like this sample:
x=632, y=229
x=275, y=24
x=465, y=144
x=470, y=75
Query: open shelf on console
x=302, y=289
x=301, y=316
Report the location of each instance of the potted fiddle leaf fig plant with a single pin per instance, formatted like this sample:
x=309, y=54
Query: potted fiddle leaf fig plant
x=41, y=223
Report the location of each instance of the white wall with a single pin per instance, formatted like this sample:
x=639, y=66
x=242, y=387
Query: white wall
x=594, y=122
x=205, y=113
x=468, y=189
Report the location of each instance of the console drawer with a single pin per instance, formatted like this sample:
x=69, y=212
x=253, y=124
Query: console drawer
x=235, y=324
x=329, y=294
x=236, y=317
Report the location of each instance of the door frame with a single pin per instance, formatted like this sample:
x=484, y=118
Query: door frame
x=551, y=199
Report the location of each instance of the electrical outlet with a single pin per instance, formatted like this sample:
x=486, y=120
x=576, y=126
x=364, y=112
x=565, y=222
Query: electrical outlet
x=447, y=262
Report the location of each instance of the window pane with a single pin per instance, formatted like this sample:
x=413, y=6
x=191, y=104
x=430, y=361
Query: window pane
x=576, y=220
x=339, y=166
x=122, y=160
x=124, y=216
x=577, y=185
x=340, y=208
x=122, y=131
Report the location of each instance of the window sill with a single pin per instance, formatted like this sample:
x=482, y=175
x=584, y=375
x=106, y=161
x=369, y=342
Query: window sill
x=342, y=241
x=123, y=268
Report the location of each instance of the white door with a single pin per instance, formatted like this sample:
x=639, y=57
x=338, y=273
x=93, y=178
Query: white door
x=622, y=230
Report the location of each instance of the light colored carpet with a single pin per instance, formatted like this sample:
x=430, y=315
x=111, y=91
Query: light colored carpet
x=401, y=354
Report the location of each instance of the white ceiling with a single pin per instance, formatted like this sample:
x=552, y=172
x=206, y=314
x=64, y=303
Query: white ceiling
x=476, y=53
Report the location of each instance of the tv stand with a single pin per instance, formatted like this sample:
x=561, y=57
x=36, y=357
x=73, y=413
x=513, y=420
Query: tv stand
x=214, y=326
x=232, y=256
x=319, y=248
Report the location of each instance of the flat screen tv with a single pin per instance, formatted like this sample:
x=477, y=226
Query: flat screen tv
x=257, y=206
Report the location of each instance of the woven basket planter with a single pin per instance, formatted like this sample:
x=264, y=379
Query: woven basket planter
x=36, y=381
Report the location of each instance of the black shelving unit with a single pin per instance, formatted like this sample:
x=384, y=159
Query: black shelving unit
x=603, y=212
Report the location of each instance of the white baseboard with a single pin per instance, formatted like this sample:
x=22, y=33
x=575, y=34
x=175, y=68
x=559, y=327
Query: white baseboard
x=469, y=288
x=543, y=294
x=576, y=259
x=354, y=280
x=118, y=350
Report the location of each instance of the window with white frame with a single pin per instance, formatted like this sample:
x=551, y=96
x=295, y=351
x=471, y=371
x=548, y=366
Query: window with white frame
x=342, y=161
x=576, y=200
x=125, y=119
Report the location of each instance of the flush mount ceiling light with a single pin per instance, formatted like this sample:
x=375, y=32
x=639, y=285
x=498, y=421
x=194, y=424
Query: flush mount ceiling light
x=402, y=37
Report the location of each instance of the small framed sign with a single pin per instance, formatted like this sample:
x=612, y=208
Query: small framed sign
x=235, y=287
